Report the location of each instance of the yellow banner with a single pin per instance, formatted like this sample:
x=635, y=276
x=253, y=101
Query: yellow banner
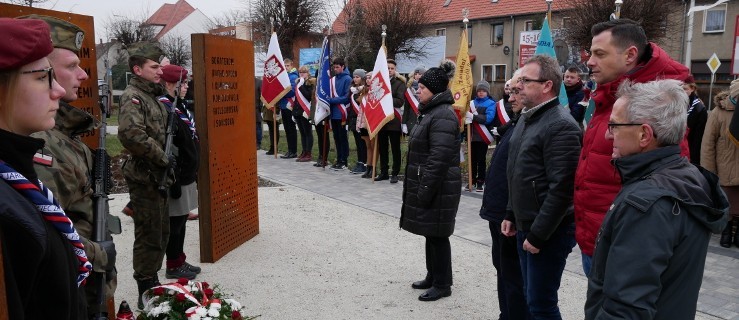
x=461, y=86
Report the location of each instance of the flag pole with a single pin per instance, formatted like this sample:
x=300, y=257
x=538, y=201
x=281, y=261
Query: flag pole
x=275, y=129
x=324, y=151
x=549, y=11
x=465, y=13
x=374, y=150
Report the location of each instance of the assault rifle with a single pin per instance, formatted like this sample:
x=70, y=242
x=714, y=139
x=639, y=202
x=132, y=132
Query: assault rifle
x=101, y=188
x=163, y=190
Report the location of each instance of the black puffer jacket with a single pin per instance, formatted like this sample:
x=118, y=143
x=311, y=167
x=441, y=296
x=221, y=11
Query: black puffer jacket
x=433, y=181
x=542, y=159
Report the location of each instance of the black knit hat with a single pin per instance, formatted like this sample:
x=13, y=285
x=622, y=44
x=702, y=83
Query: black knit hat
x=437, y=79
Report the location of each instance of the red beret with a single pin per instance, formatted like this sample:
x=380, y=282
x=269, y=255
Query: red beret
x=23, y=41
x=170, y=73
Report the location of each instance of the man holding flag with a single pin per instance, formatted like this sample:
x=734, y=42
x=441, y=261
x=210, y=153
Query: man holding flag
x=286, y=104
x=390, y=132
x=275, y=85
x=339, y=102
x=320, y=110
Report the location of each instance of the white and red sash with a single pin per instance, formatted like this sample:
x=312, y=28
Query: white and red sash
x=398, y=114
x=481, y=130
x=342, y=107
x=355, y=105
x=302, y=100
x=412, y=101
x=501, y=113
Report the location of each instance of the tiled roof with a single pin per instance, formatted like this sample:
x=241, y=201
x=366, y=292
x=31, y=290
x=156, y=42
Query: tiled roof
x=169, y=15
x=479, y=9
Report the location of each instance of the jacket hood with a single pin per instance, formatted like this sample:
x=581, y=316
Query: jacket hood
x=693, y=187
x=344, y=73
x=444, y=97
x=482, y=100
x=74, y=121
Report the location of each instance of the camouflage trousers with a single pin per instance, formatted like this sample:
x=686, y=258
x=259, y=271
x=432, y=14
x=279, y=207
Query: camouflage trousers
x=151, y=229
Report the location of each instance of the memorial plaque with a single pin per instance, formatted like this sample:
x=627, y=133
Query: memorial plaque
x=88, y=91
x=223, y=72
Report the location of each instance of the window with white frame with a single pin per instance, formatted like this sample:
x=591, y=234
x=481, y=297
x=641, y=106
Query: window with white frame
x=714, y=19
x=496, y=34
x=500, y=70
x=487, y=72
x=529, y=25
x=440, y=32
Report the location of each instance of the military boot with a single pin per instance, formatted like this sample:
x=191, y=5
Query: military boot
x=144, y=285
x=726, y=235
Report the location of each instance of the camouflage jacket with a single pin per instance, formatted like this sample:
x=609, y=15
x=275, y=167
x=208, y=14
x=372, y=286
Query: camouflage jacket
x=142, y=130
x=69, y=175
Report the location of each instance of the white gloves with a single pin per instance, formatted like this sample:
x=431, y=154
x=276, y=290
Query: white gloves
x=495, y=132
x=468, y=117
x=354, y=90
x=278, y=116
x=404, y=127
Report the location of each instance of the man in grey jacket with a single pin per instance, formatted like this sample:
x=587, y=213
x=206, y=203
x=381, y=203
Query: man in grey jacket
x=542, y=159
x=651, y=249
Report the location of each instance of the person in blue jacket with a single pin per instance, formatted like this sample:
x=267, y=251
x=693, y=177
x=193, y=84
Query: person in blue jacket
x=483, y=114
x=339, y=101
x=286, y=105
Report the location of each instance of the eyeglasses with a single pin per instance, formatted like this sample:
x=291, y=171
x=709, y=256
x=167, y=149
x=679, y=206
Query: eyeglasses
x=612, y=125
x=49, y=74
x=526, y=81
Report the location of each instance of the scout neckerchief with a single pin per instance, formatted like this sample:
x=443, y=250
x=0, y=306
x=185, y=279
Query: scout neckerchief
x=49, y=207
x=185, y=118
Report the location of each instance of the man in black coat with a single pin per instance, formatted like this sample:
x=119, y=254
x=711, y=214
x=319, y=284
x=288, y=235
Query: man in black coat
x=544, y=151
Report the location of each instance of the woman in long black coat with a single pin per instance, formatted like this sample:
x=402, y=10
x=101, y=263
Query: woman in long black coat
x=433, y=182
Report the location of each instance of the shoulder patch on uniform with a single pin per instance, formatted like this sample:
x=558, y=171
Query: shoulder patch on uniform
x=43, y=159
x=135, y=101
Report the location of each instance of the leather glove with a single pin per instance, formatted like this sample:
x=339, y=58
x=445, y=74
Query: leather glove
x=468, y=117
x=175, y=191
x=404, y=127
x=109, y=247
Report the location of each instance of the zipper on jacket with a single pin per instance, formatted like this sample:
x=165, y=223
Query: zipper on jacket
x=536, y=195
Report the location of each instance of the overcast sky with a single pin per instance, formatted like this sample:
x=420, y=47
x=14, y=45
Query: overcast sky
x=102, y=10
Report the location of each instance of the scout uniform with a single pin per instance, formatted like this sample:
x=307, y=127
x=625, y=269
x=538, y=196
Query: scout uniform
x=65, y=165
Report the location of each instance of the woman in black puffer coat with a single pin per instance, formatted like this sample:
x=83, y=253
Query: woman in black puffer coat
x=433, y=182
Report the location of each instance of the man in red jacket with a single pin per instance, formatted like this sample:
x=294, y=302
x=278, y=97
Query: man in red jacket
x=619, y=51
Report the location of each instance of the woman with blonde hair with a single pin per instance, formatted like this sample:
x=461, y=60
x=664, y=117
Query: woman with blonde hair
x=304, y=89
x=43, y=259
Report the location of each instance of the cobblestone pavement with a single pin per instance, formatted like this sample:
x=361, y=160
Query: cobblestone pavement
x=719, y=295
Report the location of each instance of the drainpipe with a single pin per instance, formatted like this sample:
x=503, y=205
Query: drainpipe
x=513, y=42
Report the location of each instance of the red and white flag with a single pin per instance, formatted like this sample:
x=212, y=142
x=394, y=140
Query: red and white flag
x=501, y=113
x=412, y=101
x=378, y=110
x=275, y=82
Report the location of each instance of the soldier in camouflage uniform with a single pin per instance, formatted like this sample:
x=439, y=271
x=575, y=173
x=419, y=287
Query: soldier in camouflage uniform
x=142, y=131
x=65, y=163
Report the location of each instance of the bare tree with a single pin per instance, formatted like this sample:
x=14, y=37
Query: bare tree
x=28, y=3
x=229, y=19
x=652, y=15
x=177, y=49
x=129, y=30
x=363, y=20
x=292, y=19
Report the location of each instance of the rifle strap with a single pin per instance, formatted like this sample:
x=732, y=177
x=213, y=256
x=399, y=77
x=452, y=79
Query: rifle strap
x=52, y=212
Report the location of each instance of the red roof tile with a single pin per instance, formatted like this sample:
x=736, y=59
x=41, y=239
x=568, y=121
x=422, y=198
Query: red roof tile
x=479, y=9
x=169, y=15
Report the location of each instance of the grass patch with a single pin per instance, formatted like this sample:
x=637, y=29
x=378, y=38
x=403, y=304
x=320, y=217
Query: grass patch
x=113, y=145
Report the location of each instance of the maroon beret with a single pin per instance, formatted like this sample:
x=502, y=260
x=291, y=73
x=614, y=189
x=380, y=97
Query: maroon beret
x=23, y=41
x=170, y=73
